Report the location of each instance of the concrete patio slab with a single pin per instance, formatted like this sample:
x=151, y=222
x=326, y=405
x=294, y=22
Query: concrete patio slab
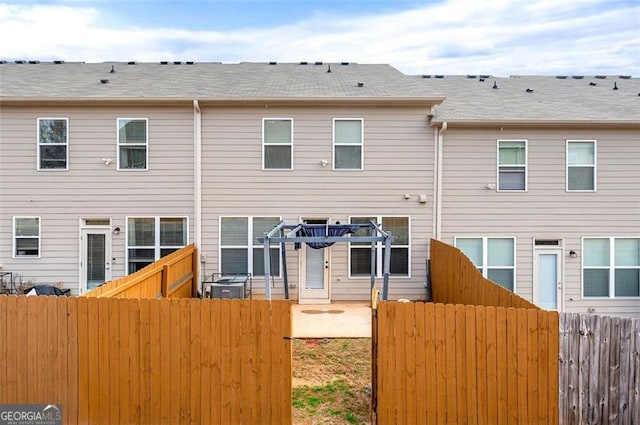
x=340, y=320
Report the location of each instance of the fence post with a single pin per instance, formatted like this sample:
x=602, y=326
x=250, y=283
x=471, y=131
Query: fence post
x=164, y=286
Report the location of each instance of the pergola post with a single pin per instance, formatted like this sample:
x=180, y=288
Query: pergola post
x=387, y=265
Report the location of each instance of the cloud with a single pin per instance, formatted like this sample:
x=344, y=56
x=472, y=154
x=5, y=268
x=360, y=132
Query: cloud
x=451, y=37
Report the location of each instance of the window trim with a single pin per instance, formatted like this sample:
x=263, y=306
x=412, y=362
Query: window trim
x=38, y=144
x=157, y=248
x=39, y=237
x=146, y=144
x=250, y=244
x=485, y=257
x=525, y=165
x=594, y=166
x=264, y=144
x=612, y=268
x=361, y=145
x=379, y=248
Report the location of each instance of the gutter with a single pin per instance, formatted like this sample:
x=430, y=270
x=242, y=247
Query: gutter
x=197, y=179
x=439, y=143
x=229, y=101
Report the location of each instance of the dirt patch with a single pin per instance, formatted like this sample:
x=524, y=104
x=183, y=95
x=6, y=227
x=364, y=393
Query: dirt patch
x=332, y=381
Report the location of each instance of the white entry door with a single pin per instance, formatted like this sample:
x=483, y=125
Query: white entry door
x=548, y=279
x=314, y=273
x=95, y=263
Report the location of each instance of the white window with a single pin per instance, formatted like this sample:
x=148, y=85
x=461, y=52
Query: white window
x=277, y=144
x=493, y=256
x=53, y=143
x=581, y=165
x=512, y=165
x=151, y=238
x=611, y=267
x=26, y=237
x=360, y=252
x=240, y=250
x=133, y=141
x=347, y=144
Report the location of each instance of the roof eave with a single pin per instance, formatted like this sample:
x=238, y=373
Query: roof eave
x=437, y=122
x=280, y=101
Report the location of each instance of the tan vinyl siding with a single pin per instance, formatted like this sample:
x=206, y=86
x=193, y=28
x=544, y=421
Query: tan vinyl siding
x=546, y=210
x=398, y=158
x=90, y=188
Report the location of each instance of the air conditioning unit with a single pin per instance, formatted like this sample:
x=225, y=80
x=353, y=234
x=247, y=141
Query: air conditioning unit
x=227, y=290
x=228, y=286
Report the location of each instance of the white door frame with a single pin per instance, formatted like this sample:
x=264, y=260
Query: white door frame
x=84, y=232
x=314, y=296
x=559, y=253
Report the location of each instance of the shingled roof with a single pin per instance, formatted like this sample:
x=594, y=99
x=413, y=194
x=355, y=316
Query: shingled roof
x=546, y=99
x=188, y=80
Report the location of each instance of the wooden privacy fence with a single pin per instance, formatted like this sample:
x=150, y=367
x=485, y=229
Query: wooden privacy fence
x=147, y=361
x=599, y=370
x=455, y=280
x=444, y=364
x=173, y=276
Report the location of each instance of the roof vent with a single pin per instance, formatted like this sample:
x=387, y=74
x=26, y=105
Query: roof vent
x=164, y=62
x=318, y=63
x=34, y=62
x=273, y=63
x=113, y=69
x=189, y=63
x=577, y=77
x=360, y=84
x=304, y=63
x=561, y=77
x=593, y=83
x=131, y=63
x=177, y=62
x=104, y=81
x=529, y=90
x=625, y=77
x=495, y=85
x=344, y=63
x=328, y=68
x=601, y=77
x=58, y=62
x=615, y=85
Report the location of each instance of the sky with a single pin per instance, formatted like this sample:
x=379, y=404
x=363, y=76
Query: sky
x=497, y=37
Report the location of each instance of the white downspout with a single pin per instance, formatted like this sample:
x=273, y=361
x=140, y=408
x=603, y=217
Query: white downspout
x=197, y=180
x=438, y=214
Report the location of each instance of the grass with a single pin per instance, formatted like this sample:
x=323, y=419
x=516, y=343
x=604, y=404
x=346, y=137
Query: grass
x=331, y=381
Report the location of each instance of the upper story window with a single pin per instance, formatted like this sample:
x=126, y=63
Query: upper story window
x=611, y=267
x=348, y=144
x=494, y=258
x=581, y=165
x=26, y=237
x=360, y=252
x=53, y=143
x=512, y=165
x=133, y=142
x=240, y=250
x=277, y=144
x=151, y=238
